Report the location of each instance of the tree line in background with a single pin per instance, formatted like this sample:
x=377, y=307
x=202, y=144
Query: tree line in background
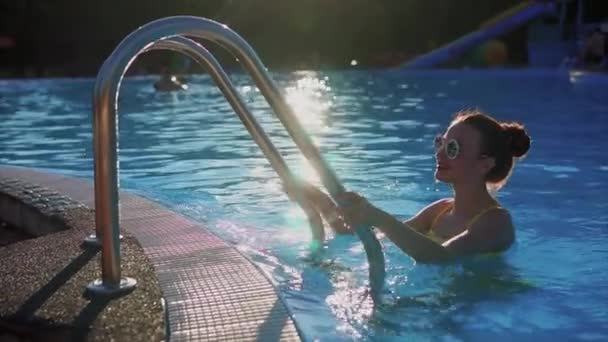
x=73, y=37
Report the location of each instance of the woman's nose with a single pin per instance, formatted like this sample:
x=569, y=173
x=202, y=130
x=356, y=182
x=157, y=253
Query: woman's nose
x=438, y=153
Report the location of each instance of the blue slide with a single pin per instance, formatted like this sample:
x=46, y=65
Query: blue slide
x=504, y=23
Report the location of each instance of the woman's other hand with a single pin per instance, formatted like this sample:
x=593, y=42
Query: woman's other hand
x=356, y=210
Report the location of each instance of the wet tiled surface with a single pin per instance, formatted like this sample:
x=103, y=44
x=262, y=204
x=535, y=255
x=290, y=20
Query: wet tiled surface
x=212, y=292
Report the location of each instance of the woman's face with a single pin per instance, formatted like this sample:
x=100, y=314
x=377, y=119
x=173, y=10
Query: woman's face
x=459, y=158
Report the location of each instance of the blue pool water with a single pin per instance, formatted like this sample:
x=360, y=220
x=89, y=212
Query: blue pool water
x=189, y=151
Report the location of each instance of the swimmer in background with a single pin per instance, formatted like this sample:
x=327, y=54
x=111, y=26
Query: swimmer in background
x=170, y=82
x=475, y=156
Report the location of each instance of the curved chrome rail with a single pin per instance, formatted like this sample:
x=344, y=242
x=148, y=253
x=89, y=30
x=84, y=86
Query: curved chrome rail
x=168, y=33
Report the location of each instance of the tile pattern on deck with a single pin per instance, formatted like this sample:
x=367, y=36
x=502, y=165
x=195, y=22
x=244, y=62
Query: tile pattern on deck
x=212, y=292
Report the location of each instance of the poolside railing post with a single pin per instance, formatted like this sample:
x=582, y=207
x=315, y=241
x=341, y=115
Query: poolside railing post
x=103, y=195
x=107, y=221
x=166, y=33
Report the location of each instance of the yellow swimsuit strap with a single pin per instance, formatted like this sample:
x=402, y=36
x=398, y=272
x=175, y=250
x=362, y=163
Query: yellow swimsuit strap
x=471, y=221
x=480, y=214
x=447, y=207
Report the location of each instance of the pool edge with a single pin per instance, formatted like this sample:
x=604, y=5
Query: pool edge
x=211, y=290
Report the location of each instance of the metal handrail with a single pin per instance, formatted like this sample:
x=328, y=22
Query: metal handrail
x=166, y=32
x=206, y=60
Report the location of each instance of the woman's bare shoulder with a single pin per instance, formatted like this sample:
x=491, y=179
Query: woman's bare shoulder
x=438, y=205
x=498, y=225
x=422, y=220
x=499, y=217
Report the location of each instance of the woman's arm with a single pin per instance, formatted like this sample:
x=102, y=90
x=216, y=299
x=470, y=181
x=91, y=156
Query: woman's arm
x=409, y=236
x=358, y=211
x=409, y=240
x=493, y=233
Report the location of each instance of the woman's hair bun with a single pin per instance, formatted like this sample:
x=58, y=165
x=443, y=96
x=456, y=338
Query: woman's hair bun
x=518, y=139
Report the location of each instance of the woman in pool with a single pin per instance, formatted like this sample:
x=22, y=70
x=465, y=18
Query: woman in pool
x=475, y=156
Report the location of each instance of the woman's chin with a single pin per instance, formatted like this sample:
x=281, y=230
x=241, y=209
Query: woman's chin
x=441, y=176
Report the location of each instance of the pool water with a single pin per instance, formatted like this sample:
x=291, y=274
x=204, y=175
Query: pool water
x=189, y=151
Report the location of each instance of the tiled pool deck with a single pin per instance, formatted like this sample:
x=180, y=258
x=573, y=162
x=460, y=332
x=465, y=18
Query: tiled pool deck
x=211, y=291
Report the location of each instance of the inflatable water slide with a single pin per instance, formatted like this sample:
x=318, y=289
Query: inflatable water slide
x=497, y=26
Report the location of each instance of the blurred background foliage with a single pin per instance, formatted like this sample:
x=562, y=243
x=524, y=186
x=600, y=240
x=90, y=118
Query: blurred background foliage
x=73, y=37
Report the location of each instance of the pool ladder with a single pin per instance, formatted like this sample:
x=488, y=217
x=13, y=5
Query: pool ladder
x=171, y=34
